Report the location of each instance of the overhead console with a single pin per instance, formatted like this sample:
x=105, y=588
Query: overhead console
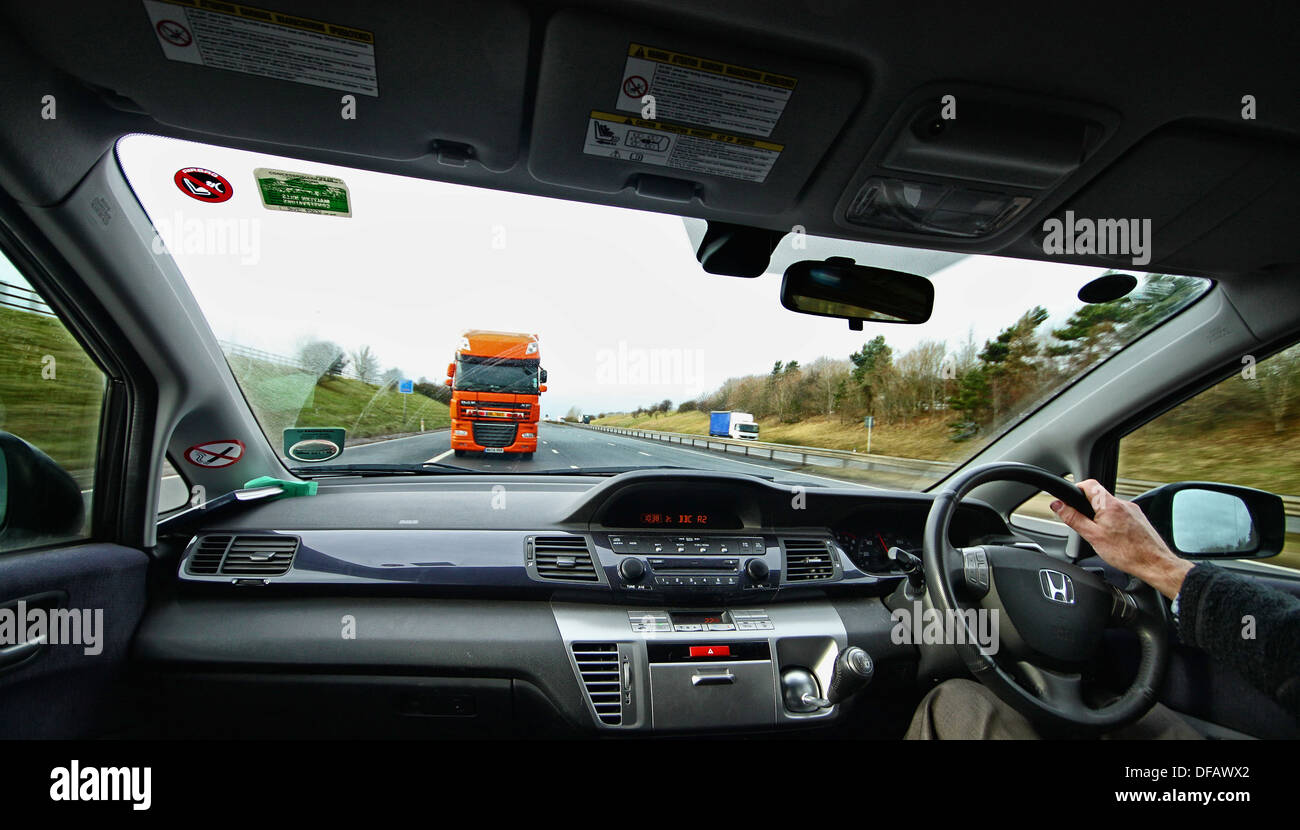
x=958, y=162
x=677, y=116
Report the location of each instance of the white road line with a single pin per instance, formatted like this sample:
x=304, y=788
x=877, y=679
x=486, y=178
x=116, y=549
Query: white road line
x=557, y=452
x=643, y=453
x=573, y=466
x=439, y=457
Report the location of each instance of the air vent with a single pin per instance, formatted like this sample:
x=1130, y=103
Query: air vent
x=243, y=555
x=207, y=554
x=563, y=559
x=808, y=560
x=599, y=667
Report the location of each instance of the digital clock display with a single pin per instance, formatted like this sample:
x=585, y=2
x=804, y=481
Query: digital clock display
x=674, y=519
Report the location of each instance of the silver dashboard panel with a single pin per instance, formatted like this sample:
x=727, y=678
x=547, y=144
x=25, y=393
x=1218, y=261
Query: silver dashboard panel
x=807, y=634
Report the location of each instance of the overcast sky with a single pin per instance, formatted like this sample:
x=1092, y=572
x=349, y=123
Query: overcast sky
x=611, y=293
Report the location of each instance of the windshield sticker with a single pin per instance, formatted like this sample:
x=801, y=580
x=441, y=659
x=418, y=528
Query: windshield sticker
x=314, y=445
x=203, y=184
x=270, y=44
x=302, y=192
x=215, y=453
x=681, y=148
x=693, y=90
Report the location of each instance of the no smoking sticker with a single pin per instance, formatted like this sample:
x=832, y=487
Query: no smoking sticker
x=214, y=454
x=174, y=33
x=202, y=184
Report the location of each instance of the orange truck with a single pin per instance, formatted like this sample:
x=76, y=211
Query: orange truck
x=495, y=382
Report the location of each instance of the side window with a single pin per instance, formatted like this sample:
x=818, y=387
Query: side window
x=1242, y=430
x=173, y=490
x=51, y=398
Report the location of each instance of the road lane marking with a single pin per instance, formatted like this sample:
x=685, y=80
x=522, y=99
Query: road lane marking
x=438, y=458
x=557, y=452
x=643, y=453
x=573, y=466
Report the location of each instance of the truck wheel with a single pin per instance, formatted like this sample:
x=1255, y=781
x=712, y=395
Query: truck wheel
x=526, y=456
x=461, y=453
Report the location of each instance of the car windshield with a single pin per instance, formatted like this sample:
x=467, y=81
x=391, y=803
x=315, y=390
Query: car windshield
x=424, y=322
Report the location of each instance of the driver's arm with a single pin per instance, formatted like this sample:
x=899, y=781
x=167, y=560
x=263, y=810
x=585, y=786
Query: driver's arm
x=1251, y=627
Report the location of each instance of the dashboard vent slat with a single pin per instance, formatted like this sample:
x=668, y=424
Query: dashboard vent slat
x=598, y=664
x=207, y=555
x=563, y=559
x=808, y=560
x=248, y=555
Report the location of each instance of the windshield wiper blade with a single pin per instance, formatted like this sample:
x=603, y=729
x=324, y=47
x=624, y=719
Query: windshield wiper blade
x=424, y=468
x=610, y=471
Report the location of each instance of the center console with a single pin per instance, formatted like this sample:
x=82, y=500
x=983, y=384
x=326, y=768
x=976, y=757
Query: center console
x=690, y=668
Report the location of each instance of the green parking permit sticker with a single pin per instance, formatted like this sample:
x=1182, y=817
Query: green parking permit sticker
x=314, y=444
x=302, y=192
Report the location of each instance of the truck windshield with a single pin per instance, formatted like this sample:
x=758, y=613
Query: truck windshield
x=747, y=427
x=489, y=375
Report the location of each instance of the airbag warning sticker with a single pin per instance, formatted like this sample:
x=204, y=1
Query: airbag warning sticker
x=260, y=42
x=682, y=148
x=692, y=90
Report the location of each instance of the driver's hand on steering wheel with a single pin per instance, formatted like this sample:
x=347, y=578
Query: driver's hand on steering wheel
x=1122, y=536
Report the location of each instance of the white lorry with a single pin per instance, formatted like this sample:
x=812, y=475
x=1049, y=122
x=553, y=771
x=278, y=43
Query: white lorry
x=733, y=425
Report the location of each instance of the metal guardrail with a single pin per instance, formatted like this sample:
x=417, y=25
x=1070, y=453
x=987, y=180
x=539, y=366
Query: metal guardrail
x=791, y=453
x=933, y=470
x=23, y=298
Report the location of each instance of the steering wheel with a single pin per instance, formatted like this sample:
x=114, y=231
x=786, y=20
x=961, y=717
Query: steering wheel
x=1052, y=614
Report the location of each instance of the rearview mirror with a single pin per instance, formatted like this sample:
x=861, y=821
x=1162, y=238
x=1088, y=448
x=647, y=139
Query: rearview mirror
x=838, y=287
x=1207, y=520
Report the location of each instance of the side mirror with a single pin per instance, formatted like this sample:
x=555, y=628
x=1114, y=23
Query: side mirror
x=1207, y=520
x=447, y=382
x=838, y=287
x=37, y=496
x=451, y=370
x=543, y=376
x=541, y=388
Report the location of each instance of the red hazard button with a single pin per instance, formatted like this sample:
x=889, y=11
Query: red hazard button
x=710, y=651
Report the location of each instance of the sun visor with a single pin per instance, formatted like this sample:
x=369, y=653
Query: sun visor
x=677, y=116
x=283, y=70
x=1214, y=196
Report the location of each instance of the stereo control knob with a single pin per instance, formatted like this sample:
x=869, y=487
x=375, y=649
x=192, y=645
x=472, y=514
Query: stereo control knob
x=757, y=569
x=631, y=569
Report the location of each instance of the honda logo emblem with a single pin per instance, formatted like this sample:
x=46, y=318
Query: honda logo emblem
x=1057, y=587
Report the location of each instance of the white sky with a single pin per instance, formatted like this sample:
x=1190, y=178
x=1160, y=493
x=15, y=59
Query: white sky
x=419, y=261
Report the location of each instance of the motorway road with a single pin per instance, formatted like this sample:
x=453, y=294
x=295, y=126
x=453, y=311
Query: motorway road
x=563, y=448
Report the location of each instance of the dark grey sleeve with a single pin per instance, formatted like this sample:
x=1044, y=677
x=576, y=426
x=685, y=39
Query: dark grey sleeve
x=1216, y=609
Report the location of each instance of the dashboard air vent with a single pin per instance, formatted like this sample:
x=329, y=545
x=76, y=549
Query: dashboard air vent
x=206, y=558
x=259, y=556
x=808, y=560
x=598, y=665
x=563, y=559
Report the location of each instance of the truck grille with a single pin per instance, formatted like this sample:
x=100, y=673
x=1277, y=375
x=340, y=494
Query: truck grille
x=494, y=435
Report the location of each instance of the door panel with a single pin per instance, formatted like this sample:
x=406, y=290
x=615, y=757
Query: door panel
x=67, y=690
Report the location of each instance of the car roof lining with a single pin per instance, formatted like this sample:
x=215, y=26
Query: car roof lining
x=501, y=77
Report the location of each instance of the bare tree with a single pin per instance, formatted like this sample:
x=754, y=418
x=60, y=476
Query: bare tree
x=366, y=364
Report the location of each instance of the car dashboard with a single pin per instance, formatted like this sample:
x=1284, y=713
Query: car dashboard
x=643, y=603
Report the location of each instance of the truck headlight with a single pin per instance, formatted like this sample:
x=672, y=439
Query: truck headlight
x=527, y=435
x=460, y=432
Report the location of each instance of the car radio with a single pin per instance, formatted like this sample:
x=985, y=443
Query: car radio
x=706, y=564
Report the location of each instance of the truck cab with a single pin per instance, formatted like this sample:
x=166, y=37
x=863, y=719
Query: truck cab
x=496, y=380
x=727, y=424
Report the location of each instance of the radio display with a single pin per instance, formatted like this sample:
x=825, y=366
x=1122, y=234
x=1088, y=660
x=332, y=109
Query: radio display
x=673, y=514
x=676, y=519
